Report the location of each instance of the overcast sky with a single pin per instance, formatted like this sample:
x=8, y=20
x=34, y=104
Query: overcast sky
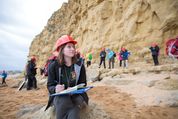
x=20, y=22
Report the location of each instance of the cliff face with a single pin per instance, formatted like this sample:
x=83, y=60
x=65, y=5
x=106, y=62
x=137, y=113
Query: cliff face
x=134, y=24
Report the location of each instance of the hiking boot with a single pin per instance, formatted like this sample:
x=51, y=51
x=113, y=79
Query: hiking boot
x=28, y=88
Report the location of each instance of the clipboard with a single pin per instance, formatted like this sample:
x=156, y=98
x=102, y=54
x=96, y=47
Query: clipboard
x=79, y=91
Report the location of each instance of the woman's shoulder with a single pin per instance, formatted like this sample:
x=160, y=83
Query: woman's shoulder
x=53, y=64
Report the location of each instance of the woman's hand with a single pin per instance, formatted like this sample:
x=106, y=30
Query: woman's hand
x=69, y=87
x=59, y=88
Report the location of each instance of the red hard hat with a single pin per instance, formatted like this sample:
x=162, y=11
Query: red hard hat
x=63, y=40
x=153, y=44
x=123, y=49
x=33, y=58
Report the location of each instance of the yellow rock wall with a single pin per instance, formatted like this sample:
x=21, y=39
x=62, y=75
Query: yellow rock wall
x=134, y=24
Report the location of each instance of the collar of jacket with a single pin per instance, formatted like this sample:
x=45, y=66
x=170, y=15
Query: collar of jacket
x=77, y=69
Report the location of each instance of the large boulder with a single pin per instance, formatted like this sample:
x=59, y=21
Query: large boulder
x=161, y=68
x=93, y=75
x=42, y=82
x=16, y=83
x=93, y=111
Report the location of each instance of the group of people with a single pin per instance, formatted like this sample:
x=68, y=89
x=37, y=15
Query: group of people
x=110, y=55
x=123, y=55
x=66, y=69
x=107, y=54
x=30, y=73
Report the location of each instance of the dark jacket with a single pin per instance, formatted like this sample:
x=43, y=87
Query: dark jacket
x=31, y=68
x=54, y=74
x=155, y=50
x=4, y=75
x=102, y=54
x=125, y=55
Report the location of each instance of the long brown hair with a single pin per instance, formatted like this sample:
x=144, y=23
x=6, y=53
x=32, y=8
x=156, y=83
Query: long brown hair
x=60, y=57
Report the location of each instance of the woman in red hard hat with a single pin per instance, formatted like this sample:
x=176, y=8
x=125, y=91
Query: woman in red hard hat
x=65, y=73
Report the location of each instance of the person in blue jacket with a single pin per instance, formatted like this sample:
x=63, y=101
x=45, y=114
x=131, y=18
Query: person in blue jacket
x=110, y=57
x=125, y=55
x=4, y=76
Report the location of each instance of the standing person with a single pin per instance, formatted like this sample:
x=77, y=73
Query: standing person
x=125, y=55
x=119, y=57
x=110, y=57
x=79, y=57
x=102, y=57
x=89, y=58
x=4, y=76
x=155, y=53
x=65, y=73
x=31, y=73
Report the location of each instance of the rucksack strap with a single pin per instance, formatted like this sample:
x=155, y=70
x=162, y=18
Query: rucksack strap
x=59, y=81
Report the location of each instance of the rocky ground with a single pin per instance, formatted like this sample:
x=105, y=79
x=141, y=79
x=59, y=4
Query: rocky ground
x=12, y=101
x=139, y=92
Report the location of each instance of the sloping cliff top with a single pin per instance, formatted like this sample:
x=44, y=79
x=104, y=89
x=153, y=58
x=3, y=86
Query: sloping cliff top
x=110, y=23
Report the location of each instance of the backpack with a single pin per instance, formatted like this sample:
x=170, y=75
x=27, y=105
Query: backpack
x=171, y=48
x=48, y=62
x=114, y=54
x=90, y=57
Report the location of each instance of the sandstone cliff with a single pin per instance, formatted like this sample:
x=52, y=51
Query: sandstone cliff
x=110, y=23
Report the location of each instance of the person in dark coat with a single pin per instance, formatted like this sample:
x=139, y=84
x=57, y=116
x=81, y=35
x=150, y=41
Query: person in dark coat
x=65, y=72
x=31, y=73
x=79, y=57
x=155, y=53
x=102, y=57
